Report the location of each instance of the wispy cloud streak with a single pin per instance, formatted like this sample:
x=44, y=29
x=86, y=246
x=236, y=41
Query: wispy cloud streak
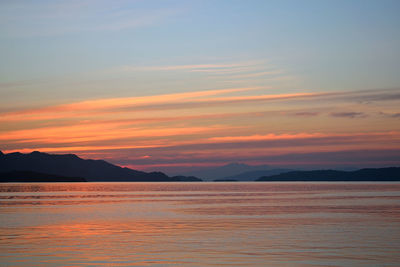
x=203, y=126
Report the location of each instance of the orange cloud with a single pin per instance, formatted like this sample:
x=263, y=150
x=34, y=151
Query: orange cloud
x=272, y=136
x=99, y=132
x=94, y=106
x=212, y=145
x=201, y=125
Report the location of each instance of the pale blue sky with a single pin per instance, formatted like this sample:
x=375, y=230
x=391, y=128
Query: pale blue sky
x=53, y=50
x=174, y=84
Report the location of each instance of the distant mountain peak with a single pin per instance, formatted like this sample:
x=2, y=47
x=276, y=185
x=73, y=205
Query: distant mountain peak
x=229, y=169
x=240, y=165
x=235, y=164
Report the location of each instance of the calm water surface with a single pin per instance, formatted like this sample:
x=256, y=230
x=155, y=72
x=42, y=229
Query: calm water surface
x=200, y=224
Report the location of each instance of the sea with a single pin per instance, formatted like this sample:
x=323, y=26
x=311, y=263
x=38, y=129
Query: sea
x=200, y=224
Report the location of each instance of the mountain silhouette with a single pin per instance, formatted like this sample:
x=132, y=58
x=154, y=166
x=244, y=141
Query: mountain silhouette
x=70, y=165
x=378, y=174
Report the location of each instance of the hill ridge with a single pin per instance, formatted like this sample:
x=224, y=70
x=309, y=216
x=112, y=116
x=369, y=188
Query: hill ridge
x=70, y=165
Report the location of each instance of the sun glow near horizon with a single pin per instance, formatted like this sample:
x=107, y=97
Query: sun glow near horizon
x=189, y=128
x=202, y=83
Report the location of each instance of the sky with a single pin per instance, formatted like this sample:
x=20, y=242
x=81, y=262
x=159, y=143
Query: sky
x=175, y=85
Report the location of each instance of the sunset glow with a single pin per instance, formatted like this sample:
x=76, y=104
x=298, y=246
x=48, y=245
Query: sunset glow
x=172, y=107
x=199, y=133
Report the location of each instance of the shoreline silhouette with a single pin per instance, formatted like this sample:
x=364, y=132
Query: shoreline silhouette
x=43, y=167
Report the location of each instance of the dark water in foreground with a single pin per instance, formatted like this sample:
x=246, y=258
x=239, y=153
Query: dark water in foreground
x=200, y=224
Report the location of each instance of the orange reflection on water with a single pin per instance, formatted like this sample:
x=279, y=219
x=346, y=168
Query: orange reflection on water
x=200, y=224
x=279, y=241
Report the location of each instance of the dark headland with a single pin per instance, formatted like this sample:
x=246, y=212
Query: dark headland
x=41, y=167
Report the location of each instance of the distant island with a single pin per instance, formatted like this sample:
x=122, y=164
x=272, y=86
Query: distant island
x=378, y=174
x=43, y=167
